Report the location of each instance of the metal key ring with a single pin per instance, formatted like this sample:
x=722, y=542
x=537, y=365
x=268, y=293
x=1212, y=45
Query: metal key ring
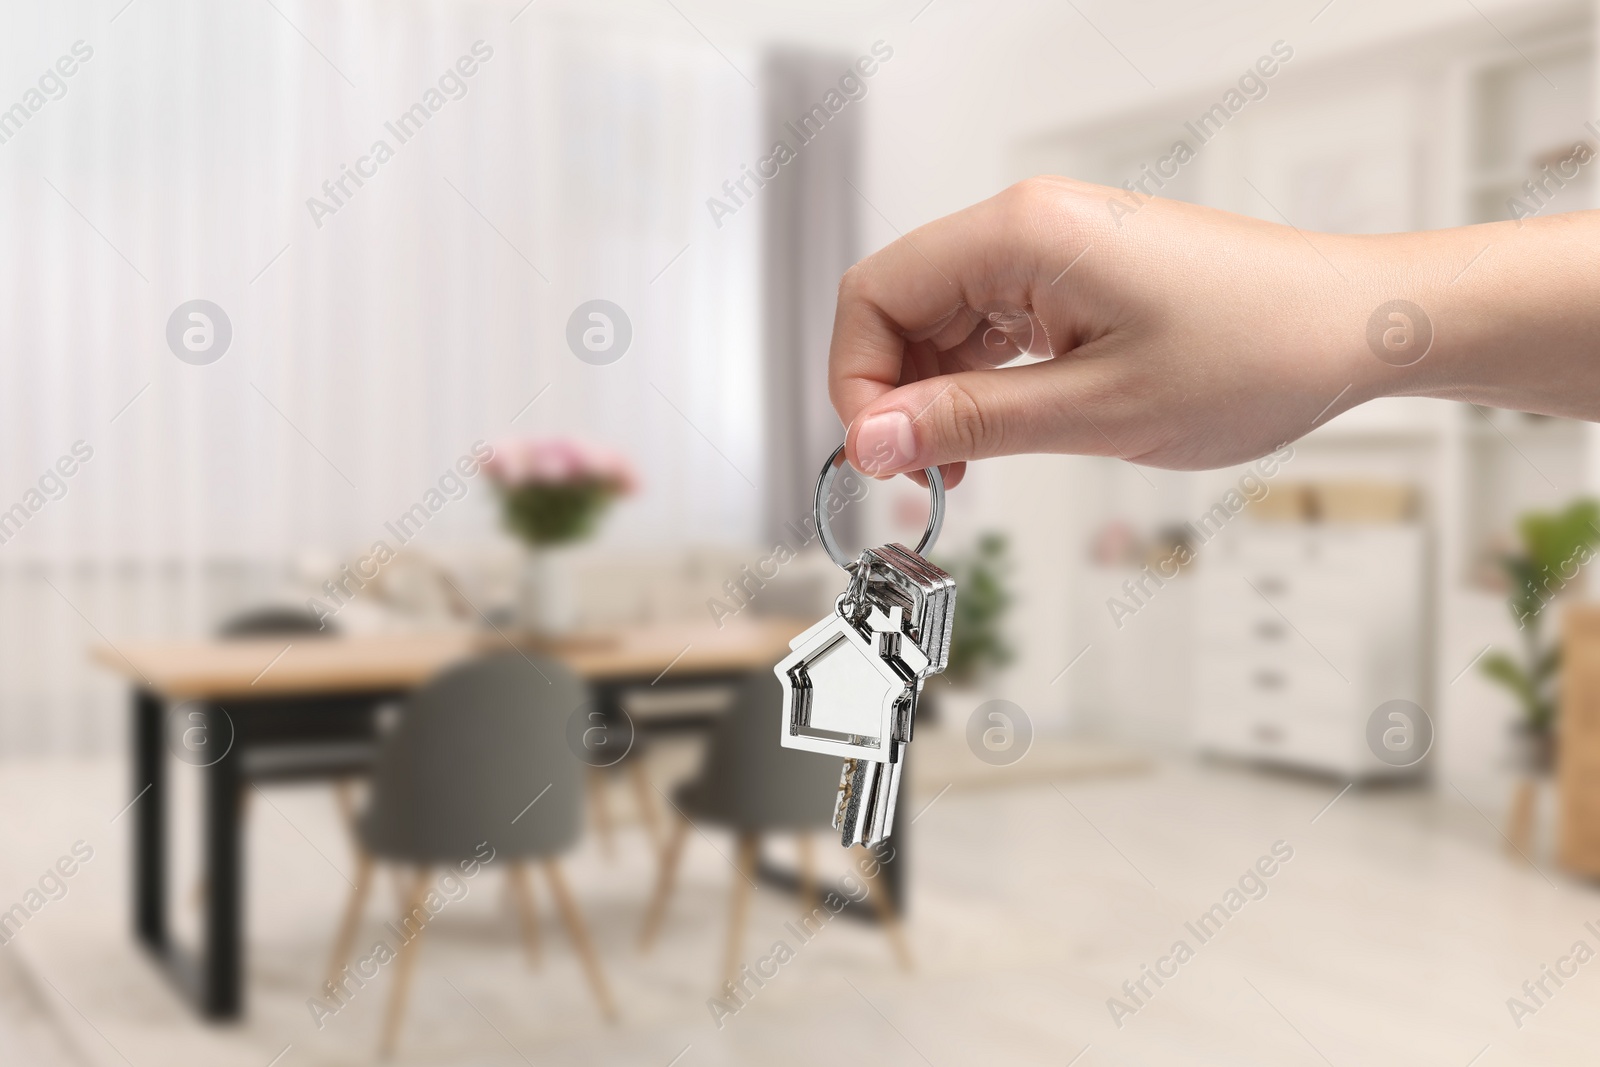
x=825, y=533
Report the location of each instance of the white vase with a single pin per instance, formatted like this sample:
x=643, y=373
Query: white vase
x=547, y=602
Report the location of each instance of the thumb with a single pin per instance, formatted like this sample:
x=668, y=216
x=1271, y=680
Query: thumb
x=968, y=415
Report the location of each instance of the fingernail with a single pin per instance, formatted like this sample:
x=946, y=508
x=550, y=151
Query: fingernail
x=887, y=444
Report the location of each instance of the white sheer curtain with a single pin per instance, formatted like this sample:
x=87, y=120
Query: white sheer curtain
x=369, y=353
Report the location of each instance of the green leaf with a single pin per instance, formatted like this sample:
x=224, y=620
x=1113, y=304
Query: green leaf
x=978, y=643
x=1509, y=673
x=1556, y=546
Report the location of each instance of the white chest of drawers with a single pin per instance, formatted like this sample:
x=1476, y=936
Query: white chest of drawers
x=1301, y=632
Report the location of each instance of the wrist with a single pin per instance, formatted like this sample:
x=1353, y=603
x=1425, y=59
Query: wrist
x=1500, y=314
x=1389, y=330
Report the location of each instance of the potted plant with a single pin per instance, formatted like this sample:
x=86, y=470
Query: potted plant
x=1554, y=548
x=978, y=645
x=553, y=494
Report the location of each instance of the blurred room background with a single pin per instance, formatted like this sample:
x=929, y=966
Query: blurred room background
x=582, y=249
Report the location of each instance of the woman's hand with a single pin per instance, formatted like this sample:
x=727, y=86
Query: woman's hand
x=1184, y=337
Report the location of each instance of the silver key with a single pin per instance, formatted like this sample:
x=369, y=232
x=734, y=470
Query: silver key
x=864, y=811
x=850, y=687
x=924, y=596
x=851, y=682
x=899, y=577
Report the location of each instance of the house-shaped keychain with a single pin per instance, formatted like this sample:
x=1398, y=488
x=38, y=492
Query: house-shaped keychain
x=850, y=692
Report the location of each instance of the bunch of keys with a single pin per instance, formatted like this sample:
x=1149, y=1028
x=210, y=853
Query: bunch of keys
x=851, y=682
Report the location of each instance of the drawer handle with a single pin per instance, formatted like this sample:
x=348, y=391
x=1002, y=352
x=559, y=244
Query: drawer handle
x=1269, y=680
x=1267, y=733
x=1271, y=630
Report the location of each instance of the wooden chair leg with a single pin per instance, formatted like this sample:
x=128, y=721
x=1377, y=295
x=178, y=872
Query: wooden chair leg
x=886, y=915
x=580, y=938
x=527, y=913
x=352, y=918
x=646, y=795
x=744, y=877
x=402, y=892
x=345, y=797
x=808, y=875
x=403, y=966
x=664, y=883
x=602, y=809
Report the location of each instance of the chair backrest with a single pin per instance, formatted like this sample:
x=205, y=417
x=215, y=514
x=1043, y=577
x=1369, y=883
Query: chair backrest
x=473, y=748
x=750, y=781
x=272, y=620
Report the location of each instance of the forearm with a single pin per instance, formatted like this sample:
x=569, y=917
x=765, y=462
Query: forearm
x=1514, y=312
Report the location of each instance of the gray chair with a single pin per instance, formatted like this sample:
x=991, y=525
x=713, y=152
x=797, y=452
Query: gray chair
x=750, y=784
x=478, y=761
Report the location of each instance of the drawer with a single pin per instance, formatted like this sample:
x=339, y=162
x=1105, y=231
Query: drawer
x=1290, y=676
x=1258, y=630
x=1381, y=643
x=1300, y=594
x=1328, y=742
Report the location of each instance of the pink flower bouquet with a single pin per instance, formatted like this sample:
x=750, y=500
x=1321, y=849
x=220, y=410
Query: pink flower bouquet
x=555, y=490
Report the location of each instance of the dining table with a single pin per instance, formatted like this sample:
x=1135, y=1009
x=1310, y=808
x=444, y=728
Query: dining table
x=272, y=708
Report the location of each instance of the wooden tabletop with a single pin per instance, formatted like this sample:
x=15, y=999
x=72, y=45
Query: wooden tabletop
x=296, y=665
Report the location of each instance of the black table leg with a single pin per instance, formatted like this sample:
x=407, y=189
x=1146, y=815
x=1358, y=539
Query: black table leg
x=212, y=978
x=222, y=960
x=149, y=820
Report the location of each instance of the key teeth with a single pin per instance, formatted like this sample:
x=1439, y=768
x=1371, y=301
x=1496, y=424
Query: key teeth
x=854, y=806
x=840, y=803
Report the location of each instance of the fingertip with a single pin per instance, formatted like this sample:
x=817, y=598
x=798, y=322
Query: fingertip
x=892, y=462
x=852, y=451
x=882, y=444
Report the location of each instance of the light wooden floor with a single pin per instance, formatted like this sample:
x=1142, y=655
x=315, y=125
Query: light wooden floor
x=1394, y=935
